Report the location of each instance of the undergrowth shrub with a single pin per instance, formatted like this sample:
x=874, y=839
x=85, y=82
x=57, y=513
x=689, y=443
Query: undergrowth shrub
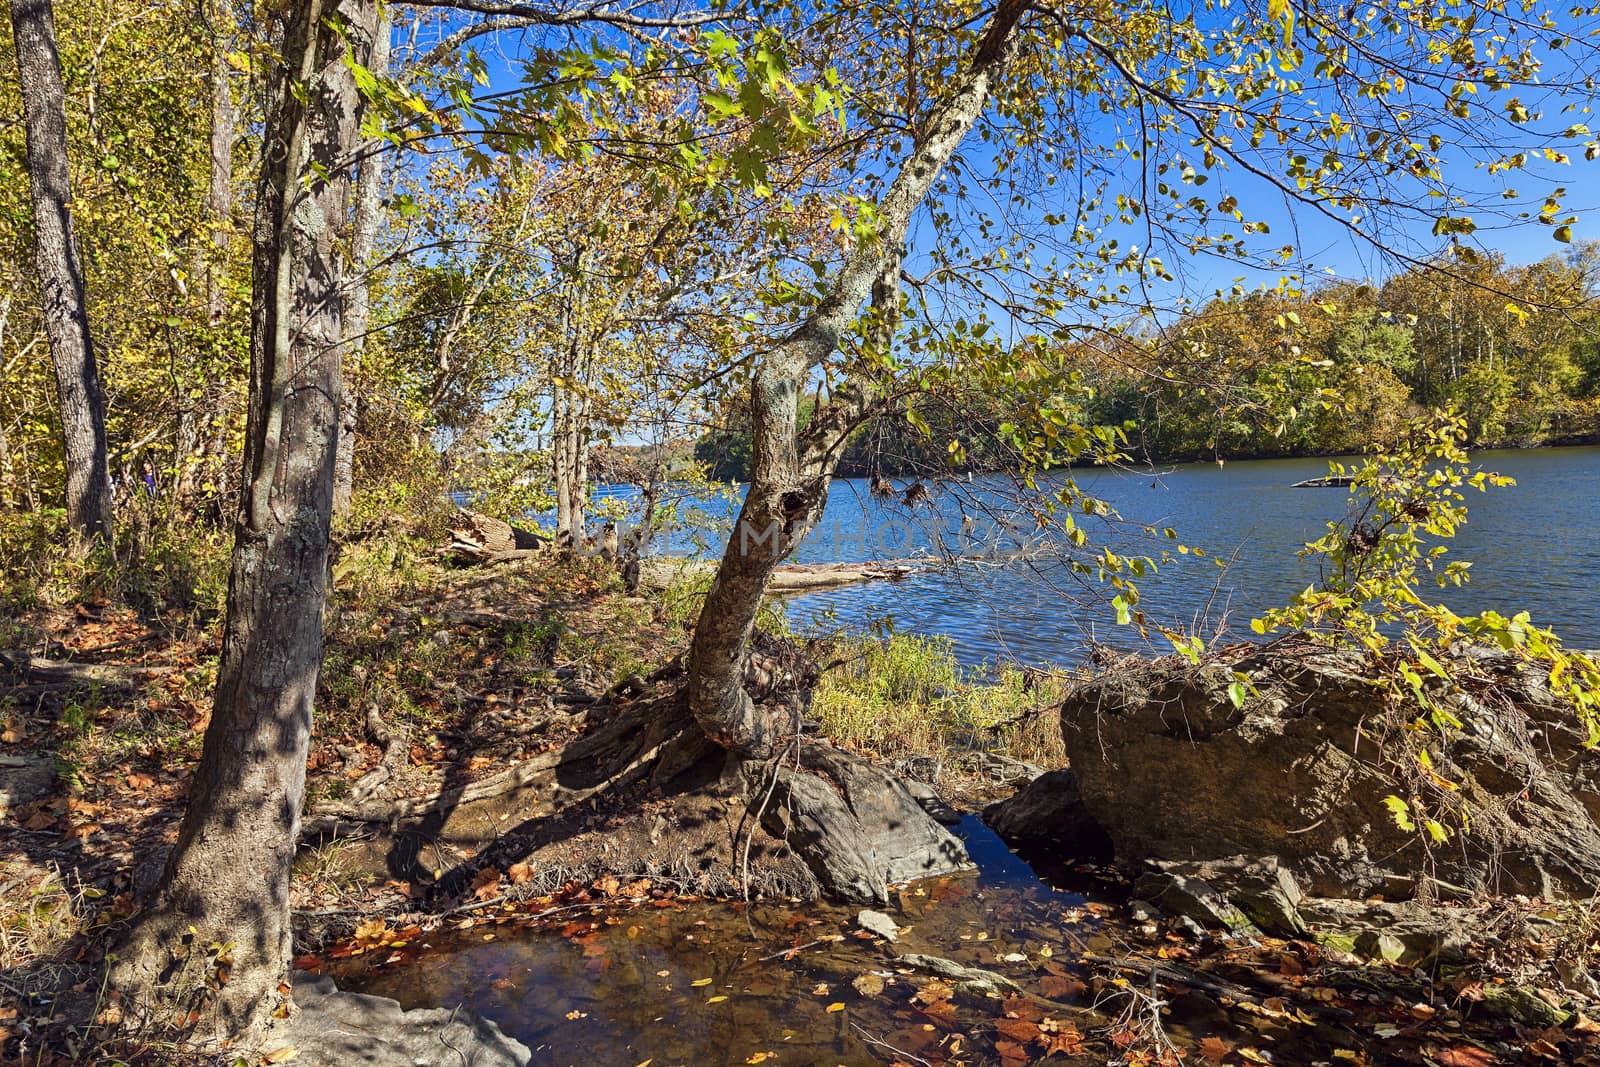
x=898, y=695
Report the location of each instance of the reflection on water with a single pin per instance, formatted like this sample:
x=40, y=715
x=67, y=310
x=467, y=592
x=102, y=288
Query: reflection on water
x=709, y=984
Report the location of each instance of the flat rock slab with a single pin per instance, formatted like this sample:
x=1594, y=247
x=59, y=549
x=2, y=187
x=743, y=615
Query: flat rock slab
x=339, y=1029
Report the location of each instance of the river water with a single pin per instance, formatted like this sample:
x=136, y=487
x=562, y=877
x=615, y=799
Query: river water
x=1534, y=546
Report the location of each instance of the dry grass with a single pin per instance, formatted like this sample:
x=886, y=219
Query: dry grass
x=904, y=695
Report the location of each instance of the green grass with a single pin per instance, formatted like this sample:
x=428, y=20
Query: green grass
x=898, y=695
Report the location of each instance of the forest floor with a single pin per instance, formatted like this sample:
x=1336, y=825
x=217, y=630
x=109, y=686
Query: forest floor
x=438, y=678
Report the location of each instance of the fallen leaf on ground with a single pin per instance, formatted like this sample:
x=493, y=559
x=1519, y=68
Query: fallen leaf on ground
x=1466, y=1056
x=486, y=884
x=1058, y=988
x=1018, y=1029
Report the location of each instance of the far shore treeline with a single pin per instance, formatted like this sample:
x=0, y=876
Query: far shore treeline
x=1261, y=375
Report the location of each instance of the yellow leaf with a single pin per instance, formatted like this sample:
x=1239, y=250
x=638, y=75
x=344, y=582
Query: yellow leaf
x=837, y=1005
x=281, y=1055
x=701, y=981
x=716, y=1000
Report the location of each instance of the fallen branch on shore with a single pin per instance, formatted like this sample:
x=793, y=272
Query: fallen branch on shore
x=661, y=572
x=479, y=538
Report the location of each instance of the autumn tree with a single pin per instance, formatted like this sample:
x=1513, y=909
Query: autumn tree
x=222, y=899
x=62, y=300
x=1098, y=128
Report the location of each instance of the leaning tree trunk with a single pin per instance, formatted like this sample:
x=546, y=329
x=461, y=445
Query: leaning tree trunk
x=226, y=882
x=789, y=477
x=363, y=238
x=55, y=254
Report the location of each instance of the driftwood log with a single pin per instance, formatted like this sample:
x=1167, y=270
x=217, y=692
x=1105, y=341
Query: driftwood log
x=480, y=538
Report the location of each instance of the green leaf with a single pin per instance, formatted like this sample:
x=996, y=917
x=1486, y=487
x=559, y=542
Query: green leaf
x=1401, y=812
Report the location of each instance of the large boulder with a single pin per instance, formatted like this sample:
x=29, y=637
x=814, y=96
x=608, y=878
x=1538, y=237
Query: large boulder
x=1170, y=769
x=1049, y=814
x=857, y=828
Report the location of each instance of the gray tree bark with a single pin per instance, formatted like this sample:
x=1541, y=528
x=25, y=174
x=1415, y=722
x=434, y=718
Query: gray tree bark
x=61, y=291
x=358, y=309
x=227, y=878
x=789, y=475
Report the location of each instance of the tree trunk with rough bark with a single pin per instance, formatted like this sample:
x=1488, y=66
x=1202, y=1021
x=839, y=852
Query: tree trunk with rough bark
x=790, y=471
x=358, y=309
x=61, y=293
x=224, y=894
x=569, y=444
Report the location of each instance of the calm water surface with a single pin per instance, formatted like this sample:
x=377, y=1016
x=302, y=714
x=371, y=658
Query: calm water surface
x=1533, y=547
x=708, y=984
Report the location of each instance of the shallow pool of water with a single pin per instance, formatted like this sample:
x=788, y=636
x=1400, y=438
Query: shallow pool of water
x=708, y=983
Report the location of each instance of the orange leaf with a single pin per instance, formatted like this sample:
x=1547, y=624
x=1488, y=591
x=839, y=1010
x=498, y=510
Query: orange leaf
x=1057, y=988
x=486, y=884
x=1215, y=1049
x=1018, y=1029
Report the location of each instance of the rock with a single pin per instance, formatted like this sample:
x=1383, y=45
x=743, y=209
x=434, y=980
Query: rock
x=1263, y=889
x=1523, y=1005
x=967, y=979
x=1376, y=945
x=1170, y=769
x=1576, y=976
x=335, y=1029
x=23, y=780
x=876, y=922
x=868, y=985
x=1049, y=812
x=1143, y=911
x=1190, y=897
x=1004, y=769
x=932, y=803
x=856, y=827
x=1408, y=933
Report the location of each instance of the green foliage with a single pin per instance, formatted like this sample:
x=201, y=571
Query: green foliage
x=155, y=568
x=1376, y=567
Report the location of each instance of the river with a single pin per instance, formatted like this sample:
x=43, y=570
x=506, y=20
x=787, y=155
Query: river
x=1533, y=546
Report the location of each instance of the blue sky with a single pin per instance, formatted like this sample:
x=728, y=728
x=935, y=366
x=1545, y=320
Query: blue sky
x=1333, y=249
